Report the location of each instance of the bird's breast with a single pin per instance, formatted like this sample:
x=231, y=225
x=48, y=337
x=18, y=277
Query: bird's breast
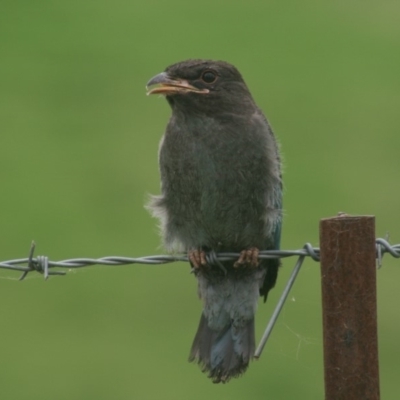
x=213, y=183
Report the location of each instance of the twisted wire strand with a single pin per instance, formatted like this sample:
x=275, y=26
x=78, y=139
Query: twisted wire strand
x=43, y=265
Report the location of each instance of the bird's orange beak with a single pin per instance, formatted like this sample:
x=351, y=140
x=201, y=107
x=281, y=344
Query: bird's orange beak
x=167, y=85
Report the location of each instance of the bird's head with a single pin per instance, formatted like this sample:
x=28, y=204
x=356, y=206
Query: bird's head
x=202, y=86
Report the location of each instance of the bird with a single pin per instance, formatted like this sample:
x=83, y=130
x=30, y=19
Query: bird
x=221, y=191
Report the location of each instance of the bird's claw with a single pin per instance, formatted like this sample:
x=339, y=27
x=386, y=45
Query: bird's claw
x=248, y=257
x=197, y=258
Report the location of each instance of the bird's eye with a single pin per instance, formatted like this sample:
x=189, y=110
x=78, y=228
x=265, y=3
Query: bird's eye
x=209, y=76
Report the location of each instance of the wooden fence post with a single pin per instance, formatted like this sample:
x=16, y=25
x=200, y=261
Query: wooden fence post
x=348, y=273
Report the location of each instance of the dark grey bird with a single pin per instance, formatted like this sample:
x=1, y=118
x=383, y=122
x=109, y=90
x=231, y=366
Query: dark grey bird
x=221, y=191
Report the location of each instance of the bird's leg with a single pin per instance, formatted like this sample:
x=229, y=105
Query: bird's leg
x=248, y=257
x=197, y=258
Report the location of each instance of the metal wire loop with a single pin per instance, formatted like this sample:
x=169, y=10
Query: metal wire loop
x=313, y=252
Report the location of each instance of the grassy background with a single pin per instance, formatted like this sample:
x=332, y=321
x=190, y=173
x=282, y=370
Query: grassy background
x=79, y=140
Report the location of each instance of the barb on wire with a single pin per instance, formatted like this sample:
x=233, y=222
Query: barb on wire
x=43, y=265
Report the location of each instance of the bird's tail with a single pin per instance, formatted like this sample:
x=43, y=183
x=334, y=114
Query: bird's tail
x=226, y=353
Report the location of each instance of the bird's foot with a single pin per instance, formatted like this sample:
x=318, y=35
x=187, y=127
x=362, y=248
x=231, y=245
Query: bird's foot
x=197, y=258
x=248, y=258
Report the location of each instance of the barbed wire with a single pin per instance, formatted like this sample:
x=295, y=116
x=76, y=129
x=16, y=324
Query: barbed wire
x=43, y=265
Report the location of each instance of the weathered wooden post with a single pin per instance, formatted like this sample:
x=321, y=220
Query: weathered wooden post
x=348, y=272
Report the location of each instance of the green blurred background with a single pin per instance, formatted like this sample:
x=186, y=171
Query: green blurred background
x=79, y=142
